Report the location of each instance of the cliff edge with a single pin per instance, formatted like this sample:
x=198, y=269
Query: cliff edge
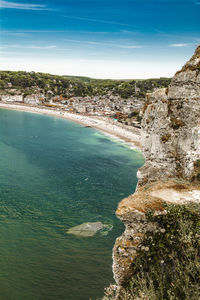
x=165, y=209
x=171, y=127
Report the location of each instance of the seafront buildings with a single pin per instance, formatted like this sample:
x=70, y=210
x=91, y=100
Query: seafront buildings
x=123, y=110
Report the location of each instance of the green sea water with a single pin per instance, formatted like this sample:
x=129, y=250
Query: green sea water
x=55, y=174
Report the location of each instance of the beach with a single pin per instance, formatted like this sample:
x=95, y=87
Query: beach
x=127, y=134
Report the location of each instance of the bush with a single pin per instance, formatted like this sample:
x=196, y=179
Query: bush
x=171, y=268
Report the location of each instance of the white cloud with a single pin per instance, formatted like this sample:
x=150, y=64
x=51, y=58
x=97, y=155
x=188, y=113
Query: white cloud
x=54, y=31
x=179, y=45
x=93, y=43
x=26, y=6
x=124, y=46
x=16, y=46
x=96, y=20
x=41, y=47
x=129, y=46
x=108, y=44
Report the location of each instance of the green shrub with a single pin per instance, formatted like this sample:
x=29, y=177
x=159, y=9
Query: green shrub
x=171, y=268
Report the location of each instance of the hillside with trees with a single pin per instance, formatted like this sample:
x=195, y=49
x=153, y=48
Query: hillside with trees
x=28, y=83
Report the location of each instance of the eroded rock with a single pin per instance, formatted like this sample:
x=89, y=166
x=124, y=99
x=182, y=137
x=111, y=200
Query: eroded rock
x=132, y=211
x=171, y=127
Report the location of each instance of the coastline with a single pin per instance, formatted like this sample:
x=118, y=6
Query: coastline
x=129, y=135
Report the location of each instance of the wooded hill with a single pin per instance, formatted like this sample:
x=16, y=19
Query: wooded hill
x=28, y=83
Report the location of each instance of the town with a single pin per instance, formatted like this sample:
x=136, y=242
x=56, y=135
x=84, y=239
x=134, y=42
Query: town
x=119, y=100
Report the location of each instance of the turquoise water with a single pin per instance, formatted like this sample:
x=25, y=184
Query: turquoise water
x=55, y=174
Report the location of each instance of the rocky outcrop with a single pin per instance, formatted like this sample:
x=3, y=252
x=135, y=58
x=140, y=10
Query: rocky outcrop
x=133, y=210
x=90, y=229
x=171, y=174
x=171, y=127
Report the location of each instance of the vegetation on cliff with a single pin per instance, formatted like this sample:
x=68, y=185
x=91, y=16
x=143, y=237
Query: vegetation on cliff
x=32, y=82
x=167, y=266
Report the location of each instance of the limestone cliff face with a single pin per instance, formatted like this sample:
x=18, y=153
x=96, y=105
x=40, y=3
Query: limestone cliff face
x=171, y=146
x=171, y=127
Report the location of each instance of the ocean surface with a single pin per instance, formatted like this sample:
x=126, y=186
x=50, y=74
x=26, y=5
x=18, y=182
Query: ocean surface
x=56, y=174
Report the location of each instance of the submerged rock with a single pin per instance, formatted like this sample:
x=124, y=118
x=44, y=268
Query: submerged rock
x=87, y=229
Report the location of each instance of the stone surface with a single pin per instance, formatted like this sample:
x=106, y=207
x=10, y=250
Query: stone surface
x=132, y=212
x=86, y=229
x=171, y=127
x=173, y=196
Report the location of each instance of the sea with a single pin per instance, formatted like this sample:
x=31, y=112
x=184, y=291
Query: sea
x=56, y=174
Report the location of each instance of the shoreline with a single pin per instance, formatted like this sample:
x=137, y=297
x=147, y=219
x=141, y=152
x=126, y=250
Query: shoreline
x=129, y=135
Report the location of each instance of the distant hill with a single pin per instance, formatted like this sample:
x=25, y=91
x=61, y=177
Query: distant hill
x=81, y=78
x=31, y=82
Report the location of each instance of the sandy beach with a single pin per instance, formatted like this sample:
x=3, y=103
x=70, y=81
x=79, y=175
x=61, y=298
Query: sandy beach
x=129, y=135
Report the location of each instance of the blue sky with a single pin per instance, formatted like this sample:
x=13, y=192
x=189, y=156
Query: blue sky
x=99, y=38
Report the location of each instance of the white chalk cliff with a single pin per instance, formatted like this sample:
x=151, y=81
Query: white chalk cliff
x=171, y=174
